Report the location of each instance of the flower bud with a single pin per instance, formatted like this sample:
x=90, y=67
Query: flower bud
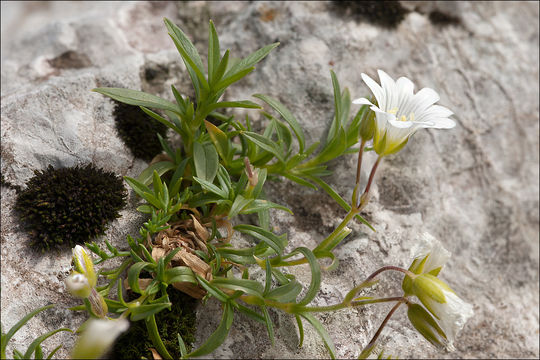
x=367, y=125
x=252, y=175
x=441, y=301
x=97, y=338
x=426, y=325
x=429, y=257
x=98, y=304
x=84, y=265
x=78, y=286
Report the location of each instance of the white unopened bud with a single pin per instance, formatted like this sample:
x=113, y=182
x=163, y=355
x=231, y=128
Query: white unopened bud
x=78, y=286
x=83, y=264
x=97, y=338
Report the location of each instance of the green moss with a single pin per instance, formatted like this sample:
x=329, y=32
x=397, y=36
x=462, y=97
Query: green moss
x=138, y=131
x=69, y=205
x=135, y=343
x=388, y=14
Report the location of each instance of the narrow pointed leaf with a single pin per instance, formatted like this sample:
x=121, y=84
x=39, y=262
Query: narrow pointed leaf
x=134, y=97
x=287, y=116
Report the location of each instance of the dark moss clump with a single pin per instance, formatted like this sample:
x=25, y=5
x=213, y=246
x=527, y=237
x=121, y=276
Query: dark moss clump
x=443, y=19
x=388, y=14
x=138, y=131
x=135, y=343
x=70, y=205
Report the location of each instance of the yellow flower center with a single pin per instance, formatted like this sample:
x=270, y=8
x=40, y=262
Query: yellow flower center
x=403, y=117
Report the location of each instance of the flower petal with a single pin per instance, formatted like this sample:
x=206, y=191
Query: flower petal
x=390, y=89
x=375, y=89
x=362, y=101
x=453, y=314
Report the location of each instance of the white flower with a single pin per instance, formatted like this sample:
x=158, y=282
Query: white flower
x=450, y=310
x=400, y=113
x=97, y=337
x=429, y=255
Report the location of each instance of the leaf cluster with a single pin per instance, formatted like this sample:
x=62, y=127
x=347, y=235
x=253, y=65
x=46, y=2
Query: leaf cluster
x=218, y=173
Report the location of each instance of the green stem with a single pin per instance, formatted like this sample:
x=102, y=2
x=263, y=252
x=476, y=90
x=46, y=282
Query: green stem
x=344, y=305
x=125, y=264
x=323, y=246
x=358, y=170
x=154, y=336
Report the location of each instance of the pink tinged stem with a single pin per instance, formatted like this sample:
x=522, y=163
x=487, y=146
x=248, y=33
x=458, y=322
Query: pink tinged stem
x=365, y=196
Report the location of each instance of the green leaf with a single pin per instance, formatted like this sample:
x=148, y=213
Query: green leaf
x=161, y=168
x=213, y=51
x=286, y=293
x=225, y=82
x=259, y=204
x=157, y=184
x=261, y=179
x=212, y=290
x=218, y=75
x=252, y=314
x=206, y=161
x=179, y=274
x=239, y=203
x=268, y=237
x=162, y=120
x=54, y=352
x=211, y=187
x=251, y=59
x=39, y=340
x=287, y=116
x=265, y=144
x=246, y=104
x=134, y=272
x=218, y=336
x=315, y=274
x=139, y=188
x=268, y=321
x=189, y=54
x=299, y=180
x=134, y=97
x=336, y=122
x=250, y=287
x=143, y=311
x=300, y=329
x=220, y=140
x=182, y=346
x=179, y=99
x=328, y=343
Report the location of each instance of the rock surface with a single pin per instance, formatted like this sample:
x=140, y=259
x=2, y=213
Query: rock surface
x=475, y=187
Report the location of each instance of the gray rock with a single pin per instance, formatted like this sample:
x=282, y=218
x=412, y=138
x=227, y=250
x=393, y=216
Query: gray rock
x=474, y=187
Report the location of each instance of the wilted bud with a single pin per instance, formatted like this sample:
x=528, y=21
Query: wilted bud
x=98, y=337
x=251, y=173
x=98, y=304
x=441, y=301
x=426, y=325
x=78, y=286
x=84, y=265
x=367, y=125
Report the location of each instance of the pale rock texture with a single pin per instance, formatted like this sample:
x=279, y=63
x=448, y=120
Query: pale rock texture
x=474, y=187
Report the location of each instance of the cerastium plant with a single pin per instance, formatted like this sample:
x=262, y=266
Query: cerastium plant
x=194, y=192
